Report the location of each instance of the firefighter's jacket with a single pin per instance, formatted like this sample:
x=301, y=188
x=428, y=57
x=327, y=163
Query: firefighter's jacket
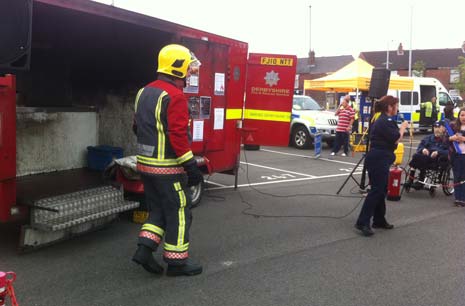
x=161, y=119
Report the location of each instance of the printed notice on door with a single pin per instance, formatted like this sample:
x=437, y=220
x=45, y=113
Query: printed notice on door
x=197, y=131
x=219, y=119
x=219, y=84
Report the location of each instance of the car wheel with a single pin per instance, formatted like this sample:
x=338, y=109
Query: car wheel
x=196, y=193
x=330, y=143
x=300, y=137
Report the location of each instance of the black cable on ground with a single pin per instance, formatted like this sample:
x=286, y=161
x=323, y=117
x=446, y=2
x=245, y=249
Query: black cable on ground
x=250, y=206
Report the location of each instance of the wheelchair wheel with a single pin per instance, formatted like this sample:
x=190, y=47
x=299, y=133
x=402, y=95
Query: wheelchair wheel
x=447, y=181
x=408, y=181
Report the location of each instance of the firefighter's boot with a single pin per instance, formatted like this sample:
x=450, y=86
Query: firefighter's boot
x=145, y=258
x=190, y=268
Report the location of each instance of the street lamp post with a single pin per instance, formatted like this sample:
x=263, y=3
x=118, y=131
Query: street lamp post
x=387, y=54
x=310, y=29
x=410, y=51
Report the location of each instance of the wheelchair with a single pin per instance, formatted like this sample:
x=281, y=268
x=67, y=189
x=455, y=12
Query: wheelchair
x=435, y=176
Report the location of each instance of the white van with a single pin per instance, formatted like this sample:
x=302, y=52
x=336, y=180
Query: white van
x=423, y=90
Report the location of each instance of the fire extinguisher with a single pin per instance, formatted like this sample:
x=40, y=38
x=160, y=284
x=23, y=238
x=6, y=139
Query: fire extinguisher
x=394, y=182
x=6, y=288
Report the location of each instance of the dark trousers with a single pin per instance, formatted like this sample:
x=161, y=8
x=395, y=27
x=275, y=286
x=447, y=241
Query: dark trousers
x=168, y=202
x=355, y=126
x=342, y=139
x=423, y=162
x=377, y=163
x=458, y=168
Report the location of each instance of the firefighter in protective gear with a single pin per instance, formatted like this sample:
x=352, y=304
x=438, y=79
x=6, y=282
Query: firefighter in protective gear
x=429, y=111
x=166, y=163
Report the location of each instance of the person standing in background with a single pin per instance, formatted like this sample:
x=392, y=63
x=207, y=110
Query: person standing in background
x=449, y=111
x=458, y=158
x=429, y=112
x=344, y=126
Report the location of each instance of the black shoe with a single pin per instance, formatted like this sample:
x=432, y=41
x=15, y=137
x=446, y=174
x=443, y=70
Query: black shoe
x=384, y=225
x=145, y=258
x=365, y=229
x=190, y=268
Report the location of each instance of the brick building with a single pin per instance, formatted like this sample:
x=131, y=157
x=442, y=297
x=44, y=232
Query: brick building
x=312, y=67
x=438, y=63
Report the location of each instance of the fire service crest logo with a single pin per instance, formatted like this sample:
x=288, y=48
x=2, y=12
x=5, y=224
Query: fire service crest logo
x=271, y=78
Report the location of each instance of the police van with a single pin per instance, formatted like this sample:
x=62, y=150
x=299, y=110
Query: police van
x=423, y=90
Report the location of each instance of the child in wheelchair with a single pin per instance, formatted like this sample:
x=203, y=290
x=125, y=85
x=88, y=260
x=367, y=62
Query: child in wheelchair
x=432, y=154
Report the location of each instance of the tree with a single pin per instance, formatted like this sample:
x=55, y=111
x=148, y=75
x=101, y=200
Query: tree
x=459, y=84
x=418, y=68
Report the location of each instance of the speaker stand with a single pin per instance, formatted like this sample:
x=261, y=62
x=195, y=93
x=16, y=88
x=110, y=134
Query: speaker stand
x=351, y=176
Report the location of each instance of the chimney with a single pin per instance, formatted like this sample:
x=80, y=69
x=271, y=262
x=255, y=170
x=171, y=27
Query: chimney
x=400, y=49
x=311, y=58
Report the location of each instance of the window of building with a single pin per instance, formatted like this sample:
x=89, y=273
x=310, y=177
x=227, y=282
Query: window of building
x=454, y=75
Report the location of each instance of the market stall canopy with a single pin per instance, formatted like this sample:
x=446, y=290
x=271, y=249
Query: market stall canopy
x=355, y=75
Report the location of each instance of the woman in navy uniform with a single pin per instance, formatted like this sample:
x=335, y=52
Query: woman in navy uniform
x=384, y=137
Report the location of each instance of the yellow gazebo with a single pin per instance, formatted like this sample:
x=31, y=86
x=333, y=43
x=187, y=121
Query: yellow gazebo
x=354, y=76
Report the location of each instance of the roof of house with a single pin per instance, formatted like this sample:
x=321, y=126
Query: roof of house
x=433, y=58
x=323, y=64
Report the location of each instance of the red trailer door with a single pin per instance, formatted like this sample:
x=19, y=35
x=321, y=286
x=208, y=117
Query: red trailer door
x=7, y=145
x=268, y=101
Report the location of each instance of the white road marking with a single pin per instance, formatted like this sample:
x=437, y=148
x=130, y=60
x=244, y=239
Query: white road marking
x=338, y=161
x=213, y=183
x=306, y=156
x=275, y=177
x=283, y=181
x=271, y=168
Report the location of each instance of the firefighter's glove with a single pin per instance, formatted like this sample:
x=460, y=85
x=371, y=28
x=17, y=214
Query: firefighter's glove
x=194, y=175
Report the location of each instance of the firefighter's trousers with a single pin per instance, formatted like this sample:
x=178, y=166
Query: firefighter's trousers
x=168, y=201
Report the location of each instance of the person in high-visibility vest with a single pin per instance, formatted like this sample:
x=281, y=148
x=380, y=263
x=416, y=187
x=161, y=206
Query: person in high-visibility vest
x=430, y=111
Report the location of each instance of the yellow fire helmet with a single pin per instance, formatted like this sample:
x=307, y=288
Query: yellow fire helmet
x=177, y=60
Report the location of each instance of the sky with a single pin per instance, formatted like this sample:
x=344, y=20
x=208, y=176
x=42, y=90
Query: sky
x=329, y=27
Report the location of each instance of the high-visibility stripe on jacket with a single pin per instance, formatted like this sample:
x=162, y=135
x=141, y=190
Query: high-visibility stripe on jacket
x=161, y=116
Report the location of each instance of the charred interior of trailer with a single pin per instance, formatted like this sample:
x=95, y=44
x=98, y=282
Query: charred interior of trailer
x=76, y=56
x=85, y=70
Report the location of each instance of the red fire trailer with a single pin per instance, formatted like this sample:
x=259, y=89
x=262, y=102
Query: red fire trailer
x=75, y=88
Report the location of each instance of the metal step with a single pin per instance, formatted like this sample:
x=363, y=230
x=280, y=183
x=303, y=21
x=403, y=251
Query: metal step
x=68, y=210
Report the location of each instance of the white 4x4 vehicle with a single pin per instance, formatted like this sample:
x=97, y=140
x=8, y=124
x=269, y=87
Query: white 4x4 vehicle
x=307, y=115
